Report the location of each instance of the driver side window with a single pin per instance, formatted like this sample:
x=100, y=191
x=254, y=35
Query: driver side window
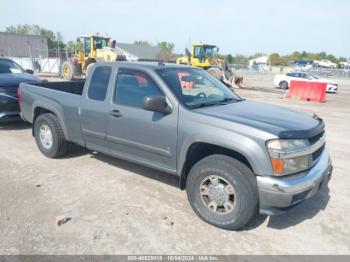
x=133, y=86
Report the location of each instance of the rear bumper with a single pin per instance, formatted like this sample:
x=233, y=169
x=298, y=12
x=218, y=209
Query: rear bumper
x=277, y=194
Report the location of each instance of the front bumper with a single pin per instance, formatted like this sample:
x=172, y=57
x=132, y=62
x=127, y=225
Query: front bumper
x=9, y=109
x=332, y=89
x=280, y=193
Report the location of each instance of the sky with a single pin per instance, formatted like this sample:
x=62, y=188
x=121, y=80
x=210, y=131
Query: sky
x=237, y=27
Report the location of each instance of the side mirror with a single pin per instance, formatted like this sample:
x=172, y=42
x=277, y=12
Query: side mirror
x=156, y=104
x=30, y=71
x=187, y=52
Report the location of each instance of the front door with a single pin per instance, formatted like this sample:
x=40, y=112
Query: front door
x=134, y=133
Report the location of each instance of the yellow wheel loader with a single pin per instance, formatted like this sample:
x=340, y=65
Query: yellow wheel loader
x=206, y=56
x=96, y=49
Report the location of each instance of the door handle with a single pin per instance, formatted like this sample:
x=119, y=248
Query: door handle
x=116, y=113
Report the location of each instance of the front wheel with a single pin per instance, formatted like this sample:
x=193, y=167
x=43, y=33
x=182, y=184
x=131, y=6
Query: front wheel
x=49, y=136
x=223, y=192
x=215, y=72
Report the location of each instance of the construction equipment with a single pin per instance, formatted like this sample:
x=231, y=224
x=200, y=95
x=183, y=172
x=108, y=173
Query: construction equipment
x=96, y=49
x=206, y=56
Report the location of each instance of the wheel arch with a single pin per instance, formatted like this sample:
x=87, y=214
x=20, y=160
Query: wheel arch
x=199, y=150
x=43, y=109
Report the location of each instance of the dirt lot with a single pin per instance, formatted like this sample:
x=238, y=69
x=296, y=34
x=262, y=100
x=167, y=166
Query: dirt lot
x=121, y=208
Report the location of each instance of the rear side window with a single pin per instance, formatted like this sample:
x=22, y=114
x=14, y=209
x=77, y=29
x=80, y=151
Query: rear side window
x=132, y=86
x=99, y=83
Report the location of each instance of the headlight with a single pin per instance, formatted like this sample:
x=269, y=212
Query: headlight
x=287, y=145
x=282, y=160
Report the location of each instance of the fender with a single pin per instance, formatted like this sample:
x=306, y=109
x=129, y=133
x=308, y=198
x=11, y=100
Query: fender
x=54, y=108
x=250, y=149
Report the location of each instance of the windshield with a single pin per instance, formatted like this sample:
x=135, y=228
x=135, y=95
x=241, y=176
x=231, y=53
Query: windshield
x=9, y=67
x=205, y=51
x=100, y=42
x=196, y=88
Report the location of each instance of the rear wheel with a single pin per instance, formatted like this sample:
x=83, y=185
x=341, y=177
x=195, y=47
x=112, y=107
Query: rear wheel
x=49, y=136
x=283, y=85
x=223, y=192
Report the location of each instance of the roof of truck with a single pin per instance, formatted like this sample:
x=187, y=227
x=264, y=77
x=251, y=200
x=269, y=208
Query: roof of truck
x=146, y=65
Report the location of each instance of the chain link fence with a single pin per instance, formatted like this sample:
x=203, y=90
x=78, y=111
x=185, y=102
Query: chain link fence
x=48, y=61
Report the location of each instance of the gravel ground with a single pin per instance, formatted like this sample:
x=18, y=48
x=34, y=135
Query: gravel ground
x=116, y=207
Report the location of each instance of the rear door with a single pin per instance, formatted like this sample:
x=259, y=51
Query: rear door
x=94, y=109
x=134, y=133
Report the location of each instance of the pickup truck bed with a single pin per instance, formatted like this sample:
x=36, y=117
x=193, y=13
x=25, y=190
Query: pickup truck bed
x=73, y=87
x=61, y=97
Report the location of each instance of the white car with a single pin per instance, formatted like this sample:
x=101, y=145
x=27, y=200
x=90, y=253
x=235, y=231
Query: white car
x=325, y=63
x=345, y=65
x=283, y=81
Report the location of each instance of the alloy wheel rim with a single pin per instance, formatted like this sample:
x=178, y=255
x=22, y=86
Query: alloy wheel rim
x=217, y=194
x=45, y=135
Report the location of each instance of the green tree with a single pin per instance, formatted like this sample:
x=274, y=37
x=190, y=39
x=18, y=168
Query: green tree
x=166, y=46
x=74, y=46
x=342, y=59
x=277, y=60
x=295, y=56
x=229, y=58
x=166, y=51
x=241, y=59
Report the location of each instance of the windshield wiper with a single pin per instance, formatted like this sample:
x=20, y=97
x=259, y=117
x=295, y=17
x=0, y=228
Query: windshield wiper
x=202, y=105
x=216, y=103
x=227, y=99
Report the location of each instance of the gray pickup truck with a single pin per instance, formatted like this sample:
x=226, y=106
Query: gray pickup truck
x=234, y=157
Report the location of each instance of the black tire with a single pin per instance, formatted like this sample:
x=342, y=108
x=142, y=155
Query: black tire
x=59, y=144
x=242, y=180
x=215, y=72
x=283, y=85
x=69, y=70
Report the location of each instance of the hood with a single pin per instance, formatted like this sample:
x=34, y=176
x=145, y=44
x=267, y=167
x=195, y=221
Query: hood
x=277, y=120
x=16, y=79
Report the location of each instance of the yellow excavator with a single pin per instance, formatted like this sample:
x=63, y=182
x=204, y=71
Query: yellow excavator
x=206, y=56
x=96, y=49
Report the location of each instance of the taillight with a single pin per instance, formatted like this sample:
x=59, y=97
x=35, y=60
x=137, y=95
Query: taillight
x=19, y=98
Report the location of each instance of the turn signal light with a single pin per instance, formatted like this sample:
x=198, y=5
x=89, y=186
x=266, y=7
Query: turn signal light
x=277, y=165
